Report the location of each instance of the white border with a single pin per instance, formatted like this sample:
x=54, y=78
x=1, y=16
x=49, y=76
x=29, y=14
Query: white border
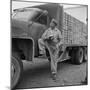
x=5, y=44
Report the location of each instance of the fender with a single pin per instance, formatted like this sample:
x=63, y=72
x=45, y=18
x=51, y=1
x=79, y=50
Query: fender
x=23, y=46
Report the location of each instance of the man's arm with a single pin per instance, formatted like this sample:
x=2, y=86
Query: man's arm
x=47, y=34
x=60, y=39
x=44, y=36
x=59, y=36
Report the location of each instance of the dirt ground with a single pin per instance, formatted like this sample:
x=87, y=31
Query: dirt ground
x=37, y=74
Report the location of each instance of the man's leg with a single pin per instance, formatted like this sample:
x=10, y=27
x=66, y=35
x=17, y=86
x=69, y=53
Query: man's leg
x=53, y=63
x=41, y=46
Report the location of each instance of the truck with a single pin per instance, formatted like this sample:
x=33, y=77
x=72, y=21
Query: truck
x=27, y=26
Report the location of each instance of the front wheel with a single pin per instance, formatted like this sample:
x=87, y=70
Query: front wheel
x=16, y=71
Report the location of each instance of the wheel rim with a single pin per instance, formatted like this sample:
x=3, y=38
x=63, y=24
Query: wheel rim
x=81, y=56
x=86, y=57
x=13, y=71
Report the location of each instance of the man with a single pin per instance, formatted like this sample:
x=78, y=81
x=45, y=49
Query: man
x=53, y=34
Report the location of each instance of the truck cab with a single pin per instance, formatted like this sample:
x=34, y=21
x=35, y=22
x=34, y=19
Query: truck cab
x=28, y=24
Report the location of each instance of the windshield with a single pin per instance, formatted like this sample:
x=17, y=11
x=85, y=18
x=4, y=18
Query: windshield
x=25, y=15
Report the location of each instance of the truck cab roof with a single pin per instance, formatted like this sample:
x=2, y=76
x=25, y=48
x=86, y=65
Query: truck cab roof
x=26, y=14
x=26, y=9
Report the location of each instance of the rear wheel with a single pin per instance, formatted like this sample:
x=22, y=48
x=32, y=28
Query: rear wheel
x=72, y=54
x=16, y=71
x=77, y=56
x=85, y=54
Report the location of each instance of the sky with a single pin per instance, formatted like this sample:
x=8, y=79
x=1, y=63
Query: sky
x=18, y=4
x=80, y=12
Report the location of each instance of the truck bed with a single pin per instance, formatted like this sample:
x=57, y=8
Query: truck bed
x=74, y=31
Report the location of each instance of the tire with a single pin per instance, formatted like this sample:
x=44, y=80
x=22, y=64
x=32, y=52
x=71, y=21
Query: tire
x=85, y=54
x=77, y=56
x=72, y=53
x=16, y=71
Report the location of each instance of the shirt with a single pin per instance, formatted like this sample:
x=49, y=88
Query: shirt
x=55, y=33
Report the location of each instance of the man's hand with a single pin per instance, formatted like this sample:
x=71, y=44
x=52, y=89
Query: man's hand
x=51, y=37
x=57, y=46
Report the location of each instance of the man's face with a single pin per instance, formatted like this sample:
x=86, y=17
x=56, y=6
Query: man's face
x=52, y=25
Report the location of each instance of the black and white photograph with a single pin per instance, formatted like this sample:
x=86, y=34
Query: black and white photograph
x=49, y=44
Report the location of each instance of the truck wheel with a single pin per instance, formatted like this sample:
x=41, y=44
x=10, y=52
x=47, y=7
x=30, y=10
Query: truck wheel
x=16, y=71
x=72, y=53
x=79, y=56
x=85, y=54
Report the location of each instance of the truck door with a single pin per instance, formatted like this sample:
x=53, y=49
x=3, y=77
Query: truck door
x=37, y=29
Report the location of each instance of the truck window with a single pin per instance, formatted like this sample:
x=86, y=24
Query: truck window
x=25, y=15
x=42, y=19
